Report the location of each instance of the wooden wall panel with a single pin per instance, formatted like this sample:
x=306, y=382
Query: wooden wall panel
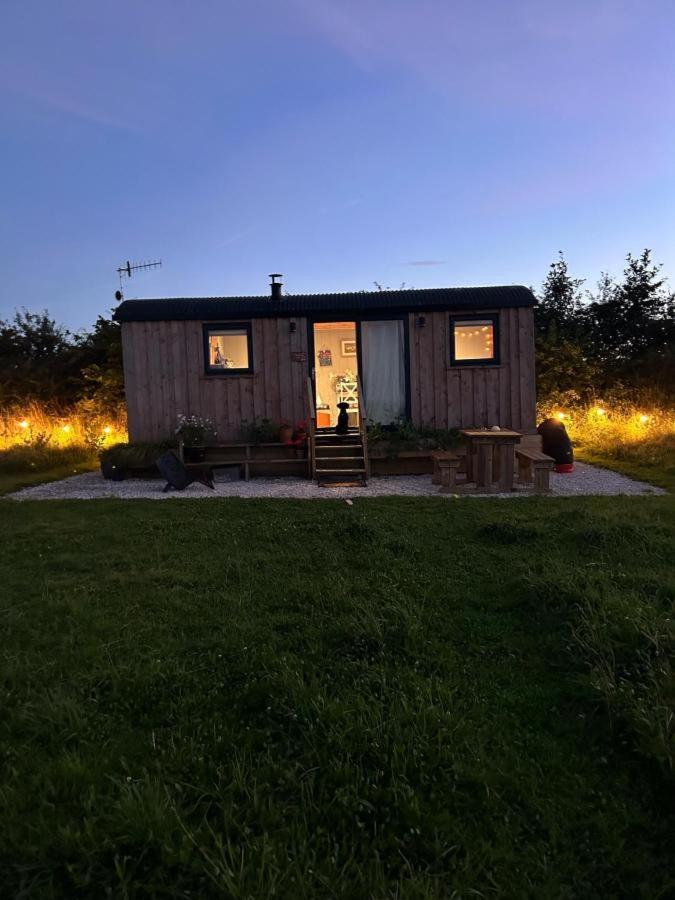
x=414, y=343
x=454, y=418
x=526, y=378
x=505, y=372
x=440, y=366
x=463, y=396
x=426, y=374
x=514, y=367
x=164, y=376
x=131, y=388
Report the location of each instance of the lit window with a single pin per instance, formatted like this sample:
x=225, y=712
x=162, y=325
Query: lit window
x=227, y=349
x=474, y=341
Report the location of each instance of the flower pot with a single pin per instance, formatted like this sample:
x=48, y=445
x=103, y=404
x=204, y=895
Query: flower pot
x=194, y=454
x=285, y=434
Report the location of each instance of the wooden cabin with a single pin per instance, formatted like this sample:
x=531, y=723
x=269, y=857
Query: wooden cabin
x=444, y=357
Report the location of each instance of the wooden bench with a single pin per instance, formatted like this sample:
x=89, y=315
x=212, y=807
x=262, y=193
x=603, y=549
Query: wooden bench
x=533, y=465
x=446, y=465
x=245, y=456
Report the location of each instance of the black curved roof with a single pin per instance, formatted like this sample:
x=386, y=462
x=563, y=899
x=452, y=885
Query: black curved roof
x=356, y=303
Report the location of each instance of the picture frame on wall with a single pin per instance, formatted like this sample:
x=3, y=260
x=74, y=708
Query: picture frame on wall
x=348, y=348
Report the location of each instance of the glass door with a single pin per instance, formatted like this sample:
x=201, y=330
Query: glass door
x=336, y=368
x=383, y=370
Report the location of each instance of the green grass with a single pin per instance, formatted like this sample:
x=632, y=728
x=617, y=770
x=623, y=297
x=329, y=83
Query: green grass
x=26, y=465
x=648, y=460
x=405, y=699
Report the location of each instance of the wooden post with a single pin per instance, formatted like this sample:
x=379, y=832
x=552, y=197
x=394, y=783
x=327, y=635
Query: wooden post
x=484, y=473
x=505, y=472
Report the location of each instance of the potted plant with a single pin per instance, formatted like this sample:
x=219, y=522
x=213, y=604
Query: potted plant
x=194, y=432
x=300, y=440
x=285, y=432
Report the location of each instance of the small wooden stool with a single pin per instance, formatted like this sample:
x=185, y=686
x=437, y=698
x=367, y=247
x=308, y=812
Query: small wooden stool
x=534, y=463
x=446, y=465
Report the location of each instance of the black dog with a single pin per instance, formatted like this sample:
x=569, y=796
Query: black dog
x=342, y=426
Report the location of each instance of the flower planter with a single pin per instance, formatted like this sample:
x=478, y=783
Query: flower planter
x=194, y=454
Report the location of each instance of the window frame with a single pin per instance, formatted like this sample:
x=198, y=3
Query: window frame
x=207, y=328
x=457, y=319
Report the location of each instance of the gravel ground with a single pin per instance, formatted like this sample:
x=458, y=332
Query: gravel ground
x=584, y=481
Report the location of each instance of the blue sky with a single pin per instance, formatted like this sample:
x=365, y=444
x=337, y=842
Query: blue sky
x=340, y=142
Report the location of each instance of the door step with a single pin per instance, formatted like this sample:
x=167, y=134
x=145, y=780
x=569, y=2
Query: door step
x=354, y=471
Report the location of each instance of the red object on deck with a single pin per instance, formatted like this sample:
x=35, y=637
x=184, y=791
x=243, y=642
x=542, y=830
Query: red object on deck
x=564, y=468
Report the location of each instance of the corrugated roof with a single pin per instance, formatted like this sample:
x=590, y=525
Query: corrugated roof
x=356, y=303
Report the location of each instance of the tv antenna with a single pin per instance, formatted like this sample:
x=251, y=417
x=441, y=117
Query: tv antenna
x=128, y=269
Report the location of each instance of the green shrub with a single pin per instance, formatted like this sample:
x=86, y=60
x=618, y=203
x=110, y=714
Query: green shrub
x=135, y=456
x=39, y=456
x=260, y=431
x=403, y=435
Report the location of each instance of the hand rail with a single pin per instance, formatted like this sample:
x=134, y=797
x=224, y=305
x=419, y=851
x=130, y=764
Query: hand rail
x=363, y=428
x=311, y=430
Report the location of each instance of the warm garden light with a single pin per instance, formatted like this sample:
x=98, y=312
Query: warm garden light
x=559, y=415
x=599, y=411
x=644, y=418
x=107, y=429
x=66, y=428
x=23, y=423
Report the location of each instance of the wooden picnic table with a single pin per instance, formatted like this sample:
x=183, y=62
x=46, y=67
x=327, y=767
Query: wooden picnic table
x=490, y=457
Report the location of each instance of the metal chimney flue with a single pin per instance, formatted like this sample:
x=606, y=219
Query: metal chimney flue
x=275, y=286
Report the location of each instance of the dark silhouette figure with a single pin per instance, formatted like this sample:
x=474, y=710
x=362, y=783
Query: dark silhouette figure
x=555, y=442
x=342, y=426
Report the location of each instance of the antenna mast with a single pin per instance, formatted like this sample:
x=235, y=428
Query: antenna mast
x=128, y=269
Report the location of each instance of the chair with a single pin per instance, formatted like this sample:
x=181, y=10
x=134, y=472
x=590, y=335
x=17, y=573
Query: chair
x=178, y=477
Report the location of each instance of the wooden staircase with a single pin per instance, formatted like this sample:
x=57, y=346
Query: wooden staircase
x=337, y=459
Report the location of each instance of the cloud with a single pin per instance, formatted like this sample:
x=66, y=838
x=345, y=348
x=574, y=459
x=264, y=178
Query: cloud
x=31, y=85
x=427, y=262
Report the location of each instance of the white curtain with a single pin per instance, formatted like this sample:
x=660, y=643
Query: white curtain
x=383, y=376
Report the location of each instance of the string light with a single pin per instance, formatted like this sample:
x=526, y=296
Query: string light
x=23, y=423
x=107, y=429
x=644, y=418
x=65, y=427
x=560, y=415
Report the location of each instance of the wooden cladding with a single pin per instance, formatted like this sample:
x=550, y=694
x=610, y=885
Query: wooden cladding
x=164, y=376
x=447, y=396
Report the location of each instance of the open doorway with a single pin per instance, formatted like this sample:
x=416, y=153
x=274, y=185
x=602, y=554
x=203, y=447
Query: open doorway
x=336, y=371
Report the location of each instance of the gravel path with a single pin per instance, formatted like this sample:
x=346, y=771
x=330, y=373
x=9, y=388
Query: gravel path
x=584, y=481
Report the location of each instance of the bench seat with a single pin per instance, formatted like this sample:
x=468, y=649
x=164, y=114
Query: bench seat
x=446, y=465
x=533, y=465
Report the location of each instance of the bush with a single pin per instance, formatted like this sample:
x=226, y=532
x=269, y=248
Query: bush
x=40, y=457
x=123, y=458
x=403, y=435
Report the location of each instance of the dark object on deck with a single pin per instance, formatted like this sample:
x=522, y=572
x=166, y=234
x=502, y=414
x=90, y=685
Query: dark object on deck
x=178, y=477
x=342, y=426
x=555, y=442
x=112, y=471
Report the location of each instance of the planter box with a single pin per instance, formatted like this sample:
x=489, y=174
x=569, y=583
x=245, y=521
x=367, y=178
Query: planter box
x=406, y=462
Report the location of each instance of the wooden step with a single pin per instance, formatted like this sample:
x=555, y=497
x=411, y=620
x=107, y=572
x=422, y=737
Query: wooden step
x=354, y=471
x=338, y=458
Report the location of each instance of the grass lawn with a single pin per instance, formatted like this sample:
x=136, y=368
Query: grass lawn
x=405, y=698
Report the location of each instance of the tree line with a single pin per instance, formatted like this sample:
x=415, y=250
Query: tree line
x=620, y=334
x=42, y=361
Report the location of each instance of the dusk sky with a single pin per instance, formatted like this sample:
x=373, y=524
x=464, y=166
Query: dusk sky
x=336, y=141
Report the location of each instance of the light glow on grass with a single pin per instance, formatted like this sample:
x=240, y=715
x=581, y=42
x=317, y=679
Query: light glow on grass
x=38, y=425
